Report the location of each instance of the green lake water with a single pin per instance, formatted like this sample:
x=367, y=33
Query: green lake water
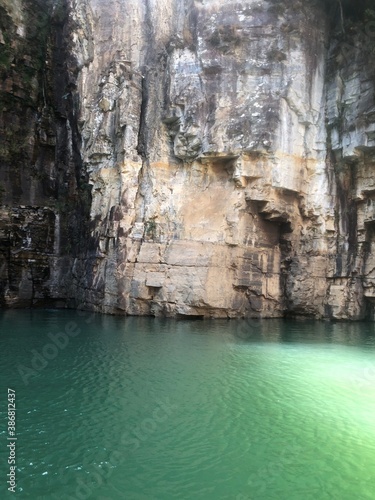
x=150, y=409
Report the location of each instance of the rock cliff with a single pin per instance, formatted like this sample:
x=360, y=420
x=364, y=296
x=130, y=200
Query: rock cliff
x=188, y=157
x=44, y=194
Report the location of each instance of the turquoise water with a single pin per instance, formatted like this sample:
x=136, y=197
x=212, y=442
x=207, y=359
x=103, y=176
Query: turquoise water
x=143, y=409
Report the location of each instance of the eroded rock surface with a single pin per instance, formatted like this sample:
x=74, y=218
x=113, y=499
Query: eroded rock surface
x=218, y=158
x=44, y=194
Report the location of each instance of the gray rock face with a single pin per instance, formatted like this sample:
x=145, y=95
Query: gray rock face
x=222, y=157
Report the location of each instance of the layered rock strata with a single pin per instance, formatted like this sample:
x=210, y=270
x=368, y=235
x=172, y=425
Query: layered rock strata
x=44, y=194
x=212, y=160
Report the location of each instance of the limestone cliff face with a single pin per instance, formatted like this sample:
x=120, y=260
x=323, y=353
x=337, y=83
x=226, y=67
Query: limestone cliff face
x=208, y=159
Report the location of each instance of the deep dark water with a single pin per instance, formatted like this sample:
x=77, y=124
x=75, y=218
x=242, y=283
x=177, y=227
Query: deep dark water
x=143, y=408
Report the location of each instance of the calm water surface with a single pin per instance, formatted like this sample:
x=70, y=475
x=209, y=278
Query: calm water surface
x=148, y=409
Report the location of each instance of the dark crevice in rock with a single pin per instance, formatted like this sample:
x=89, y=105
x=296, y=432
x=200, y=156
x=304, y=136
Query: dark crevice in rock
x=223, y=102
x=142, y=132
x=42, y=154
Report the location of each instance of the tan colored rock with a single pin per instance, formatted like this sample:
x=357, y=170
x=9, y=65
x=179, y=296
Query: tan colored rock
x=223, y=154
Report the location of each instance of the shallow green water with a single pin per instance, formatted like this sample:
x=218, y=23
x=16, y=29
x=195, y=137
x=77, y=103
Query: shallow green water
x=143, y=409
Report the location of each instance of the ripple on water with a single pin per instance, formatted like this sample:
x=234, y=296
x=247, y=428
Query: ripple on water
x=282, y=415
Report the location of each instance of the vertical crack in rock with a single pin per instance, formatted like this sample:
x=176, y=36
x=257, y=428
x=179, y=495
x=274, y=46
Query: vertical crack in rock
x=142, y=133
x=188, y=159
x=40, y=162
